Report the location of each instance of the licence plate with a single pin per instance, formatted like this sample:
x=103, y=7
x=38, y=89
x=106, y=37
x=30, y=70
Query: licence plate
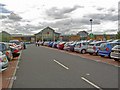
x=4, y=59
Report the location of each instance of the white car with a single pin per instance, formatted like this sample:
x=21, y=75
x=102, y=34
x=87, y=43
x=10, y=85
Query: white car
x=3, y=62
x=115, y=53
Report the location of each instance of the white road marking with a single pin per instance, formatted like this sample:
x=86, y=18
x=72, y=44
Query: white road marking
x=87, y=74
x=91, y=83
x=61, y=64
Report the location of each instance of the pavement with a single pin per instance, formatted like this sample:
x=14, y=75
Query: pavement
x=42, y=67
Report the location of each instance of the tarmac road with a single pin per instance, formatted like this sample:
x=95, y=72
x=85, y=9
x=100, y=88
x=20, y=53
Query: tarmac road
x=42, y=67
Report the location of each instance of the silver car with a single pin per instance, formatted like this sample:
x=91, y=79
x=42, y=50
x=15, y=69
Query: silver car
x=81, y=47
x=115, y=53
x=3, y=62
x=94, y=47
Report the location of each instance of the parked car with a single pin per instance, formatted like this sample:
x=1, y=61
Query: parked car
x=5, y=48
x=72, y=45
x=115, y=53
x=18, y=43
x=61, y=45
x=50, y=44
x=46, y=43
x=117, y=40
x=94, y=47
x=55, y=44
x=81, y=47
x=3, y=62
x=14, y=49
x=105, y=48
x=67, y=46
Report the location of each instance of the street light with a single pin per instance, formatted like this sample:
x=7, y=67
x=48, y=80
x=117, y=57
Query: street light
x=91, y=24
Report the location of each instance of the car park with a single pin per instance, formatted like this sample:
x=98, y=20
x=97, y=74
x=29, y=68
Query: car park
x=5, y=48
x=115, y=53
x=105, y=49
x=3, y=62
x=94, y=47
x=81, y=47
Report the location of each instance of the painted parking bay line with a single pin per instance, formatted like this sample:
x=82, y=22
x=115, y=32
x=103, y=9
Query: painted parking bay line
x=61, y=64
x=94, y=85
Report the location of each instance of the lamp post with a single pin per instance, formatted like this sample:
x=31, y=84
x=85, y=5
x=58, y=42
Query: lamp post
x=91, y=24
x=91, y=34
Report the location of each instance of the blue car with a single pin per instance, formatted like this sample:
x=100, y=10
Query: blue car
x=106, y=48
x=51, y=44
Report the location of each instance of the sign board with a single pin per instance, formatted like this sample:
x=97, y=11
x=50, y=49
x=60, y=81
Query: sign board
x=91, y=35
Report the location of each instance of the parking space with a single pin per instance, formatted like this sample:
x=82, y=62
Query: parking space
x=92, y=57
x=7, y=75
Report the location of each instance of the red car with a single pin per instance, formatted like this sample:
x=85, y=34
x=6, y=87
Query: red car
x=61, y=45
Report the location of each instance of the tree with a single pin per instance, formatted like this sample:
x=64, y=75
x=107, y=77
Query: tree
x=118, y=35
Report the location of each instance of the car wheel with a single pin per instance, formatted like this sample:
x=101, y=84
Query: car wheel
x=97, y=53
x=109, y=56
x=116, y=59
x=83, y=51
x=102, y=55
x=91, y=53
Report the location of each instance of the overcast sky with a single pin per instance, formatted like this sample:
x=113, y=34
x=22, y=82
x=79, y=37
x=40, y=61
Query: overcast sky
x=65, y=16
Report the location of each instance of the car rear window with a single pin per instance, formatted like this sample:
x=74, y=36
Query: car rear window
x=113, y=44
x=91, y=44
x=103, y=46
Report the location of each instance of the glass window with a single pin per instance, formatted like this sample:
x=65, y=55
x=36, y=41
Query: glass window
x=2, y=47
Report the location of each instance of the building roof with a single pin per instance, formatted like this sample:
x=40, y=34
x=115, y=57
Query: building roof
x=5, y=32
x=82, y=32
x=47, y=28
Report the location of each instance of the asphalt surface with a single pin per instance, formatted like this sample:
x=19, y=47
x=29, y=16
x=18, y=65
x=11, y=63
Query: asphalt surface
x=42, y=67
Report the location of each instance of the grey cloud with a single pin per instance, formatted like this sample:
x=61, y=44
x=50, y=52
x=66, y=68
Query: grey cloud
x=111, y=9
x=67, y=25
x=1, y=5
x=105, y=17
x=32, y=27
x=100, y=8
x=14, y=17
x=3, y=16
x=111, y=30
x=3, y=9
x=56, y=13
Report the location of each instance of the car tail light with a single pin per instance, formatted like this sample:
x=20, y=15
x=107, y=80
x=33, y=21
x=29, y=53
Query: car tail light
x=7, y=53
x=15, y=51
x=107, y=49
x=94, y=48
x=0, y=59
x=80, y=45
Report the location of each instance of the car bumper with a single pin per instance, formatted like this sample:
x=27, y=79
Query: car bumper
x=90, y=51
x=115, y=55
x=103, y=53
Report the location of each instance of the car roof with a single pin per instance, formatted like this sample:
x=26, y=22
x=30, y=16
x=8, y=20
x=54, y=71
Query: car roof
x=96, y=42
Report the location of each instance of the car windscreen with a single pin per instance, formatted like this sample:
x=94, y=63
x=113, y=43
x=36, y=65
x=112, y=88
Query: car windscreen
x=91, y=44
